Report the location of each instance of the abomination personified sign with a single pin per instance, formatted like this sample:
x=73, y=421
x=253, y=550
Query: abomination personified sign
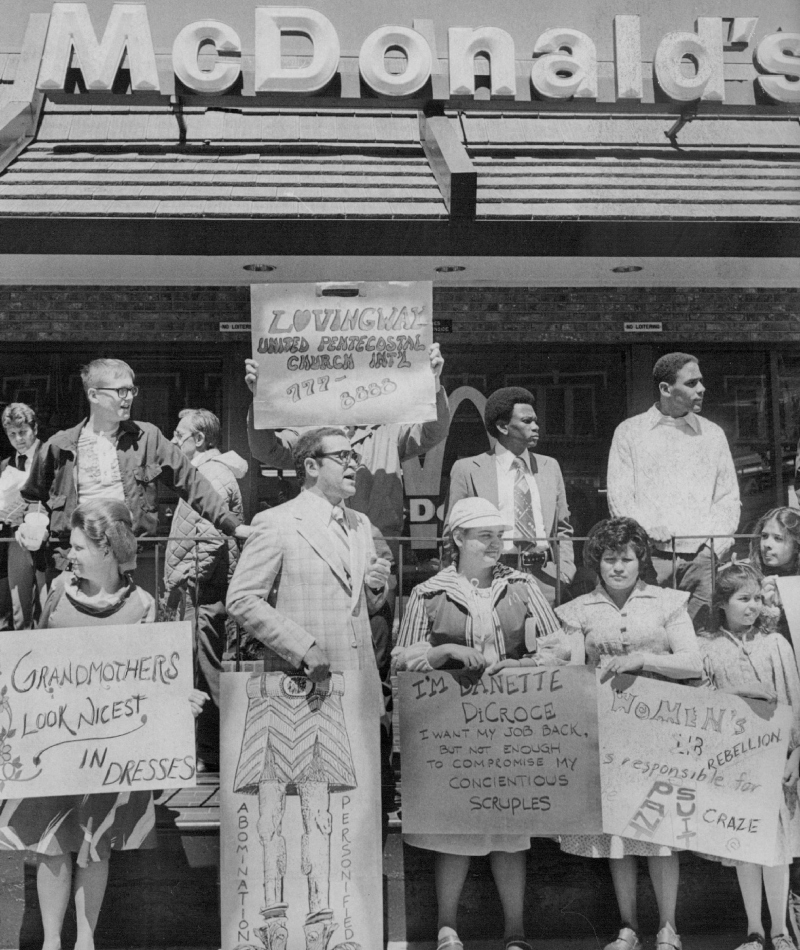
x=342, y=354
x=96, y=709
x=510, y=753
x=691, y=768
x=300, y=833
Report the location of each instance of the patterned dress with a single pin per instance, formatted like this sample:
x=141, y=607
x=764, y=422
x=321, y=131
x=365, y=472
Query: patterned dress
x=503, y=620
x=652, y=621
x=89, y=826
x=763, y=659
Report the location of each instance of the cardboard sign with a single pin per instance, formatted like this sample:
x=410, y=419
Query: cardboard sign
x=96, y=709
x=789, y=590
x=510, y=753
x=300, y=832
x=691, y=768
x=358, y=357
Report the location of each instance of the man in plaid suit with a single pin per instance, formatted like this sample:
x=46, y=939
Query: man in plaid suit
x=292, y=589
x=305, y=583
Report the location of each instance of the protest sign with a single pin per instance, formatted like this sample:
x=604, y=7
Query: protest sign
x=691, y=768
x=336, y=355
x=300, y=826
x=504, y=754
x=96, y=709
x=789, y=591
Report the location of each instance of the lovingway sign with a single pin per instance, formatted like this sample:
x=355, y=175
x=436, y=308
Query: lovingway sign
x=563, y=61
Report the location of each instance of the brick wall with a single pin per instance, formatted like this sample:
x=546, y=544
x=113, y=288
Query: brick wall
x=478, y=315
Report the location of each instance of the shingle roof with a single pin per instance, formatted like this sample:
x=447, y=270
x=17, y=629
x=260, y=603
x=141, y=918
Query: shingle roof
x=102, y=161
x=137, y=161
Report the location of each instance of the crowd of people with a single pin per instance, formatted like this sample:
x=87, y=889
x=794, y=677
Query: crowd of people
x=313, y=585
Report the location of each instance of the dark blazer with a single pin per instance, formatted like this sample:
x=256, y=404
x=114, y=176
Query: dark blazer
x=477, y=477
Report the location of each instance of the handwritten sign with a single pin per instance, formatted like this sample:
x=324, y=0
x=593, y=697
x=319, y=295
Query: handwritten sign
x=789, y=590
x=691, y=768
x=96, y=709
x=515, y=752
x=342, y=355
x=300, y=832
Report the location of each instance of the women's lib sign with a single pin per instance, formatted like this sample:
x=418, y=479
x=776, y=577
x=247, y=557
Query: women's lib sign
x=334, y=354
x=692, y=768
x=515, y=752
x=99, y=709
x=300, y=832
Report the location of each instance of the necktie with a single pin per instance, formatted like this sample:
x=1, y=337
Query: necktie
x=524, y=522
x=342, y=537
x=21, y=462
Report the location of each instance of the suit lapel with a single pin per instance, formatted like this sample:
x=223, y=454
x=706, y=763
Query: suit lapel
x=484, y=478
x=546, y=494
x=318, y=534
x=358, y=555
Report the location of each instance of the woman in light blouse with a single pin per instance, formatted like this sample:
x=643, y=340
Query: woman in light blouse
x=627, y=626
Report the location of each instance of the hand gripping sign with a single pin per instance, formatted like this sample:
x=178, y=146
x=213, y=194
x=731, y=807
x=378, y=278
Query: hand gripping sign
x=342, y=354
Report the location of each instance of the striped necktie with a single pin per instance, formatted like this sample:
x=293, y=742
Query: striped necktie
x=524, y=522
x=342, y=536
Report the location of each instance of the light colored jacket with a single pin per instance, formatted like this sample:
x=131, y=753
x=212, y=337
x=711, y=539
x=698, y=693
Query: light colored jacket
x=212, y=560
x=290, y=590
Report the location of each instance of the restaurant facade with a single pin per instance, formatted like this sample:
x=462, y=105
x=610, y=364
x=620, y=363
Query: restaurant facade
x=588, y=185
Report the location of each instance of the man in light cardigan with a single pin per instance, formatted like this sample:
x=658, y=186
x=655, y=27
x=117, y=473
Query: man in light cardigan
x=672, y=471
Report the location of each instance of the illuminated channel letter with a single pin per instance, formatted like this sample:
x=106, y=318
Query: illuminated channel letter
x=186, y=49
x=703, y=47
x=128, y=29
x=778, y=53
x=371, y=61
x=568, y=68
x=465, y=44
x=628, y=57
x=271, y=24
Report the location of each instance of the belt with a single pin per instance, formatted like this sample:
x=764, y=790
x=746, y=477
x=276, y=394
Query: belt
x=526, y=559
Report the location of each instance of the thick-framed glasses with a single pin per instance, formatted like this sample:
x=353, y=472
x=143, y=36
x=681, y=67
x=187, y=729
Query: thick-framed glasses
x=122, y=391
x=344, y=458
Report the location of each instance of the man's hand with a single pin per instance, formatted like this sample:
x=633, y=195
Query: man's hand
x=317, y=665
x=378, y=573
x=437, y=364
x=197, y=699
x=251, y=374
x=243, y=531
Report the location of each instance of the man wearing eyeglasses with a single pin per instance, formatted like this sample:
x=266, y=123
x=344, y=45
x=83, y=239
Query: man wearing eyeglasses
x=109, y=455
x=305, y=582
x=309, y=572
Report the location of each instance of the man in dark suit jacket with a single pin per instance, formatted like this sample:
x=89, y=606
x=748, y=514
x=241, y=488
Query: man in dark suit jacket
x=527, y=488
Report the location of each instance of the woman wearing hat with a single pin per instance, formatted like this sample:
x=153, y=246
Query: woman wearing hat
x=472, y=615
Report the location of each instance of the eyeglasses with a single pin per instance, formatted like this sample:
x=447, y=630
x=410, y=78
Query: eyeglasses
x=344, y=458
x=181, y=437
x=122, y=391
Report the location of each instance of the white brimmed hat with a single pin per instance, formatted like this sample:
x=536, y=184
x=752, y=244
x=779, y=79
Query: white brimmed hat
x=475, y=513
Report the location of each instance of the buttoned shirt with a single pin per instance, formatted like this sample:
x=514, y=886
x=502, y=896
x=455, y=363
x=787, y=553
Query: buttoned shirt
x=506, y=478
x=677, y=474
x=653, y=621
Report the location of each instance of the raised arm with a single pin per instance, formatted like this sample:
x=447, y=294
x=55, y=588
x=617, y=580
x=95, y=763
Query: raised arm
x=421, y=437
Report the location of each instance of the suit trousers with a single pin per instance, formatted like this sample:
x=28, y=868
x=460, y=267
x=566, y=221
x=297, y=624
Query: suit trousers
x=25, y=584
x=692, y=575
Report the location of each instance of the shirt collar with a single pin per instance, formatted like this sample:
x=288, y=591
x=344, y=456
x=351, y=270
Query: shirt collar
x=505, y=457
x=600, y=596
x=657, y=417
x=323, y=507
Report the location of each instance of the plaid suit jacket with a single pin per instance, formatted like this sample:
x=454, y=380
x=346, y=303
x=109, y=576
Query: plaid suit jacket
x=290, y=591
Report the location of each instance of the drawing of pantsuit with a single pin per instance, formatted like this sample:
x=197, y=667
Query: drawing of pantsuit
x=295, y=743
